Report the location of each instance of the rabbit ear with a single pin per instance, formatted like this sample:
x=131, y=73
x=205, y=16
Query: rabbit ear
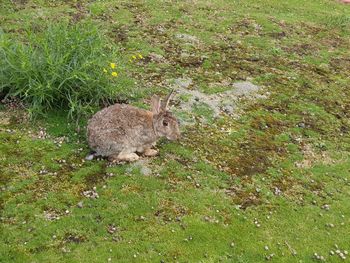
x=165, y=103
x=155, y=105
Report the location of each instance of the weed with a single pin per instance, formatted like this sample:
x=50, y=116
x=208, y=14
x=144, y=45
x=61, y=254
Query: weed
x=59, y=68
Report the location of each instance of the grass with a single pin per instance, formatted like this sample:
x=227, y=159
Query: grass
x=273, y=180
x=63, y=67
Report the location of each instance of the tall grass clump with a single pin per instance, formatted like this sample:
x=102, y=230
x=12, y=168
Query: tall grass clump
x=61, y=67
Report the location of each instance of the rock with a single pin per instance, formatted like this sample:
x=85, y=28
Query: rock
x=80, y=204
x=51, y=215
x=111, y=229
x=183, y=82
x=156, y=57
x=277, y=191
x=326, y=207
x=91, y=193
x=160, y=29
x=245, y=88
x=187, y=38
x=219, y=103
x=229, y=109
x=269, y=257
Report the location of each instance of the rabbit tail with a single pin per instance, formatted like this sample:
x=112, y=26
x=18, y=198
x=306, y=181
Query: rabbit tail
x=91, y=156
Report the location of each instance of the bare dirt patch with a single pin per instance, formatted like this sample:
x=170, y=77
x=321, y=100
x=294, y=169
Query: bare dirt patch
x=220, y=103
x=311, y=157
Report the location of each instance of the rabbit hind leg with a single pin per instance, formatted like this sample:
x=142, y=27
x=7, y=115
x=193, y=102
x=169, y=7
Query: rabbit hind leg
x=126, y=155
x=129, y=157
x=150, y=152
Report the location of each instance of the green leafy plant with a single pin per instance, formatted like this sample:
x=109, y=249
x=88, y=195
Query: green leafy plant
x=62, y=67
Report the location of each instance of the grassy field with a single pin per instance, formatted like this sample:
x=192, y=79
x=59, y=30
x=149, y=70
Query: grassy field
x=269, y=183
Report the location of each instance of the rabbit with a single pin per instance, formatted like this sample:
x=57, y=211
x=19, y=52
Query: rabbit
x=121, y=130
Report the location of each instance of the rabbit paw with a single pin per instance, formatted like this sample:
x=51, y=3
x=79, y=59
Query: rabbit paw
x=150, y=152
x=113, y=158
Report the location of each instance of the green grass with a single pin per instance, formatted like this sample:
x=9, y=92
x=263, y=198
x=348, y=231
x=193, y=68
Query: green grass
x=230, y=186
x=64, y=67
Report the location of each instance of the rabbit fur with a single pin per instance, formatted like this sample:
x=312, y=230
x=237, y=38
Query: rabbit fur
x=121, y=130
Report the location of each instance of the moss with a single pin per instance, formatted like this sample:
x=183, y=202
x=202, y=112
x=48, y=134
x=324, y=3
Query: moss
x=225, y=177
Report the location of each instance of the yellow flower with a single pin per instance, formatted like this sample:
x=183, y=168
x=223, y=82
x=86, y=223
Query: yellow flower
x=133, y=57
x=112, y=65
x=140, y=56
x=105, y=70
x=114, y=74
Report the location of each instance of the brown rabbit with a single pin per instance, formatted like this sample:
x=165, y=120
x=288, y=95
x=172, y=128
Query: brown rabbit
x=120, y=130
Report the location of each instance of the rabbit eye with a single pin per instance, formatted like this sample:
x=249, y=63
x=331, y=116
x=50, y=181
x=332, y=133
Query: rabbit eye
x=165, y=123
